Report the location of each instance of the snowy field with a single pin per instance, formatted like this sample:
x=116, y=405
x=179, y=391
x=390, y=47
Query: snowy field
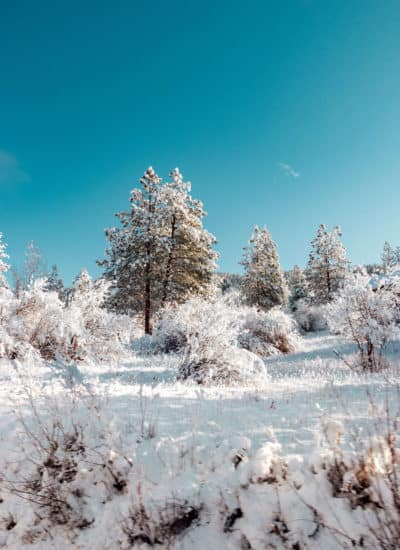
x=155, y=462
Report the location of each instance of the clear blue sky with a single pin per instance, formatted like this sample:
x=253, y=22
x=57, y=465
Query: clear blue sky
x=91, y=93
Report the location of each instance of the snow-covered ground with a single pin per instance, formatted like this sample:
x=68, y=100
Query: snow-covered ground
x=232, y=464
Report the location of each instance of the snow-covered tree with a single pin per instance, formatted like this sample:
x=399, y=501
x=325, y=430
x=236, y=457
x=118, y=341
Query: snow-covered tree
x=397, y=255
x=191, y=261
x=103, y=335
x=297, y=286
x=264, y=284
x=327, y=266
x=3, y=261
x=229, y=282
x=365, y=311
x=54, y=283
x=33, y=268
x=161, y=253
x=388, y=256
x=137, y=252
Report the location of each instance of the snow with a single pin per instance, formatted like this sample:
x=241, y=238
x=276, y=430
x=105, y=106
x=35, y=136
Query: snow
x=240, y=463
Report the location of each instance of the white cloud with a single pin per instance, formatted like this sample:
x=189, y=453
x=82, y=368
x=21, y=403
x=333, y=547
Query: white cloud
x=10, y=170
x=288, y=170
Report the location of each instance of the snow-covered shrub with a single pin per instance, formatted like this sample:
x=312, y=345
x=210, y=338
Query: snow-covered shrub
x=208, y=331
x=101, y=335
x=368, y=478
x=69, y=462
x=8, y=304
x=268, y=333
x=365, y=313
x=171, y=332
x=161, y=526
x=37, y=323
x=310, y=318
x=225, y=365
x=40, y=321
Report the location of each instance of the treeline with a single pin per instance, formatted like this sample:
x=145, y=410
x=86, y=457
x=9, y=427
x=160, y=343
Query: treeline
x=160, y=256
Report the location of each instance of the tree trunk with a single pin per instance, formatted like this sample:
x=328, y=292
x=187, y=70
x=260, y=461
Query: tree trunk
x=147, y=307
x=370, y=355
x=147, y=295
x=169, y=261
x=328, y=279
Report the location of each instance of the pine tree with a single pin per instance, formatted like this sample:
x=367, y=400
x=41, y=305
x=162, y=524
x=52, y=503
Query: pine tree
x=264, y=284
x=81, y=286
x=3, y=265
x=161, y=253
x=190, y=262
x=54, y=283
x=34, y=265
x=298, y=286
x=389, y=257
x=327, y=265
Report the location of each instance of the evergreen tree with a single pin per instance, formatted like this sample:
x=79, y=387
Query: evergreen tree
x=264, y=284
x=190, y=262
x=81, y=289
x=390, y=256
x=161, y=253
x=54, y=283
x=327, y=265
x=298, y=286
x=34, y=266
x=3, y=265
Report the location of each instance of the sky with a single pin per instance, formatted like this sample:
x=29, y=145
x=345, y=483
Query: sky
x=284, y=114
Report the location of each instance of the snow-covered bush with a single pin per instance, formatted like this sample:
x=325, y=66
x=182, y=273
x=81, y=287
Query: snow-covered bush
x=219, y=338
x=206, y=332
x=37, y=324
x=101, y=335
x=269, y=333
x=40, y=321
x=365, y=313
x=69, y=462
x=310, y=318
x=159, y=527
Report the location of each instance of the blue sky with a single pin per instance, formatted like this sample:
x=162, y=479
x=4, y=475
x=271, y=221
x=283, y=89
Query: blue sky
x=282, y=113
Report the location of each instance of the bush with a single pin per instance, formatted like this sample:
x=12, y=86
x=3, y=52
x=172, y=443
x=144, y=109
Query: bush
x=269, y=333
x=310, y=318
x=37, y=324
x=206, y=333
x=69, y=463
x=366, y=314
x=219, y=339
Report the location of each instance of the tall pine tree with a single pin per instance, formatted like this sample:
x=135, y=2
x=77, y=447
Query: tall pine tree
x=162, y=253
x=327, y=265
x=264, y=284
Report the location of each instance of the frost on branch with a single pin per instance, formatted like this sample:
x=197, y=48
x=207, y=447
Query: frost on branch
x=365, y=312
